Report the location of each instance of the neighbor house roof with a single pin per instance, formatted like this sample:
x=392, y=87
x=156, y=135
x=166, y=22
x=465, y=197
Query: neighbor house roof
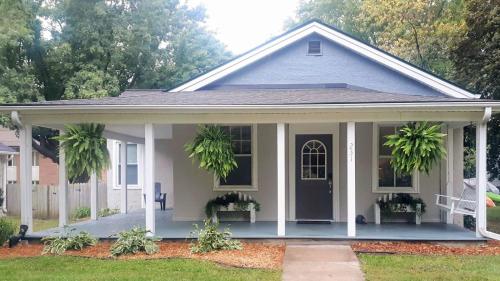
x=316, y=27
x=5, y=149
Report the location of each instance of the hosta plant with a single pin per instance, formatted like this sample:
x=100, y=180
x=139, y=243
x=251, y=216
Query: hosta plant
x=416, y=147
x=211, y=239
x=85, y=149
x=134, y=241
x=57, y=245
x=212, y=148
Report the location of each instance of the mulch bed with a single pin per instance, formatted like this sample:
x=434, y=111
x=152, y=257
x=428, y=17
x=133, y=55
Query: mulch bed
x=253, y=255
x=490, y=248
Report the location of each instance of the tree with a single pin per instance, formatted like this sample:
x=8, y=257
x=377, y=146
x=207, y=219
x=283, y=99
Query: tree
x=477, y=62
x=66, y=49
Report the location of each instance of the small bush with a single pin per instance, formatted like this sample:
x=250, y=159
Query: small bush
x=82, y=212
x=7, y=229
x=107, y=212
x=210, y=239
x=59, y=244
x=134, y=241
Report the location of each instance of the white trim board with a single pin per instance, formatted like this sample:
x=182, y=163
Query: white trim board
x=337, y=37
x=331, y=128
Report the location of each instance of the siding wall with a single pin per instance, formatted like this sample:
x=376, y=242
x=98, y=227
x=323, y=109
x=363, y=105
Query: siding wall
x=291, y=65
x=193, y=187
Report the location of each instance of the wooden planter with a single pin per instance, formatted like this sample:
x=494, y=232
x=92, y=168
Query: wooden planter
x=235, y=208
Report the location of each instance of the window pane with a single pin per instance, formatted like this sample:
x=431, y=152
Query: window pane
x=246, y=133
x=306, y=172
x=403, y=180
x=385, y=173
x=242, y=175
x=235, y=133
x=132, y=174
x=246, y=147
x=131, y=153
x=383, y=132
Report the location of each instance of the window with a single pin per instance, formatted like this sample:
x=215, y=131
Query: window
x=133, y=156
x=385, y=178
x=34, y=159
x=314, y=48
x=243, y=140
x=12, y=161
x=313, y=160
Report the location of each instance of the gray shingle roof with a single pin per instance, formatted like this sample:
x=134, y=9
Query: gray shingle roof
x=345, y=95
x=4, y=149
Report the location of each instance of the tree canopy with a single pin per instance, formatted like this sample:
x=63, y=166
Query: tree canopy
x=67, y=49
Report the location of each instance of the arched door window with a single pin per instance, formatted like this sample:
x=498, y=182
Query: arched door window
x=313, y=160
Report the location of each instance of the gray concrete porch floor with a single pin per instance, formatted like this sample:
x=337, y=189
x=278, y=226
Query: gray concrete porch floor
x=167, y=228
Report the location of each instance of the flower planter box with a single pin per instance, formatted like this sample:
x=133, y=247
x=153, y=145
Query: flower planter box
x=235, y=208
x=402, y=209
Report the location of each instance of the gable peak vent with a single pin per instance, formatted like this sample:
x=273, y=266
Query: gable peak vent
x=314, y=48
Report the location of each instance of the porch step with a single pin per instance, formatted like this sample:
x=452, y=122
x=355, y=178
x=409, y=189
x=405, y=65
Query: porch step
x=321, y=262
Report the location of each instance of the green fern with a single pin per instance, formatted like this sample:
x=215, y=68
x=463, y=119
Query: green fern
x=416, y=147
x=212, y=148
x=85, y=149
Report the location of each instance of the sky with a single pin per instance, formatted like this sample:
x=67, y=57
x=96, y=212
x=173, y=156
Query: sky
x=244, y=24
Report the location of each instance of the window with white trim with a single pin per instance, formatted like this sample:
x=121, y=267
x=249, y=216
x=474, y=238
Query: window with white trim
x=386, y=179
x=313, y=156
x=243, y=141
x=134, y=165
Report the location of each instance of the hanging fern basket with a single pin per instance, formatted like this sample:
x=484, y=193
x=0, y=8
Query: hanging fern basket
x=212, y=149
x=85, y=150
x=418, y=146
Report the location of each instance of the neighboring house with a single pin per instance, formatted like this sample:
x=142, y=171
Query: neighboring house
x=307, y=113
x=6, y=152
x=44, y=170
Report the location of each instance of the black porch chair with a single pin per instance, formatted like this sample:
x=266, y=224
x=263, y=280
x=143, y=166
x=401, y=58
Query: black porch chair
x=159, y=196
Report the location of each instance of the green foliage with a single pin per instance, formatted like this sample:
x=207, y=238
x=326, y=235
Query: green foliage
x=7, y=229
x=67, y=241
x=232, y=197
x=390, y=206
x=81, y=212
x=85, y=148
x=107, y=212
x=211, y=239
x=417, y=146
x=212, y=148
x=134, y=241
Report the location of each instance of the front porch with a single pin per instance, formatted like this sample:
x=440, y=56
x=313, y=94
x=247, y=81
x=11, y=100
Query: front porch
x=166, y=228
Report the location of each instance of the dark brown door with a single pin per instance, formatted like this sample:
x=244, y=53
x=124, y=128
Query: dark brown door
x=313, y=177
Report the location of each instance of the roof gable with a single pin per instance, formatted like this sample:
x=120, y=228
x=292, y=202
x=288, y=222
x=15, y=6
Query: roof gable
x=336, y=36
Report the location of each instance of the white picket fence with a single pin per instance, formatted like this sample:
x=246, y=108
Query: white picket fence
x=46, y=199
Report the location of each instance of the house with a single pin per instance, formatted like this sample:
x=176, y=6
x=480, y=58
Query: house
x=311, y=91
x=44, y=170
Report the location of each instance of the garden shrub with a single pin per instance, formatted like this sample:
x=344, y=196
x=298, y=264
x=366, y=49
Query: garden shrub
x=211, y=239
x=107, y=212
x=134, y=241
x=7, y=229
x=59, y=244
x=81, y=212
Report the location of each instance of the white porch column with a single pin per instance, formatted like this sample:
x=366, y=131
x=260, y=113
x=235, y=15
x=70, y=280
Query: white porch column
x=149, y=176
x=63, y=188
x=481, y=176
x=351, y=179
x=123, y=177
x=25, y=177
x=94, y=182
x=449, y=171
x=280, y=175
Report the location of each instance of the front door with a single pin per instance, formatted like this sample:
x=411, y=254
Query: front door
x=313, y=177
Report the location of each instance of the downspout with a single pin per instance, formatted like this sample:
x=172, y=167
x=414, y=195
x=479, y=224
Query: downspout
x=483, y=231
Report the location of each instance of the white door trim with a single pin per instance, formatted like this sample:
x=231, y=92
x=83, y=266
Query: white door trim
x=333, y=129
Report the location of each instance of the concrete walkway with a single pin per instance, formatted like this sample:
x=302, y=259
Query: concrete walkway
x=321, y=262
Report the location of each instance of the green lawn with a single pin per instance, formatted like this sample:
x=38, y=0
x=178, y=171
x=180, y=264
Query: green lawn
x=38, y=224
x=412, y=267
x=73, y=268
x=494, y=219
